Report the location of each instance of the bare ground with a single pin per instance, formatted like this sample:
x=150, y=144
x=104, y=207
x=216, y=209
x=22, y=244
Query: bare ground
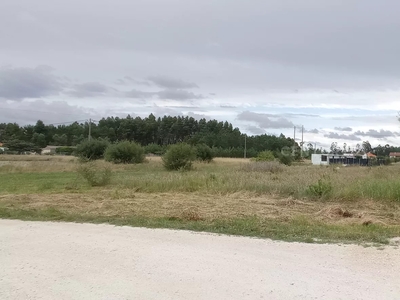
x=85, y=261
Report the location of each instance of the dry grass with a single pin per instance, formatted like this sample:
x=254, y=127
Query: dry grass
x=217, y=191
x=127, y=202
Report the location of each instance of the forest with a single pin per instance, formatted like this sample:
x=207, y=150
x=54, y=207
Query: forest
x=155, y=133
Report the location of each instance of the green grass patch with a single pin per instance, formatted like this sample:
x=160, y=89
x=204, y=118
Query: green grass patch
x=299, y=229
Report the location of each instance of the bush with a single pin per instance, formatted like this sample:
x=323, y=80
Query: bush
x=154, y=149
x=285, y=159
x=94, y=175
x=320, y=189
x=179, y=156
x=91, y=150
x=2, y=151
x=264, y=156
x=125, y=153
x=204, y=153
x=65, y=150
x=263, y=166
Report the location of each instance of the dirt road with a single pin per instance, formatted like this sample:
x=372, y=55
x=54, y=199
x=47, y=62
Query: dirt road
x=84, y=261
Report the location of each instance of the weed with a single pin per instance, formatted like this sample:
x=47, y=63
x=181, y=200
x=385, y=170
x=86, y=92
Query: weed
x=94, y=175
x=323, y=188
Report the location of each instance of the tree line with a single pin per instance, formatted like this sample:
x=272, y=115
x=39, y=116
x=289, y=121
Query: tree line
x=153, y=133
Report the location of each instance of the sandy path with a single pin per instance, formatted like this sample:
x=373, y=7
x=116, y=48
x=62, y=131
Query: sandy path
x=84, y=261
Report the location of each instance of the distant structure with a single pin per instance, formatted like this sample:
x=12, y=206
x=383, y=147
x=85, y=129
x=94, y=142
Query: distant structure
x=344, y=159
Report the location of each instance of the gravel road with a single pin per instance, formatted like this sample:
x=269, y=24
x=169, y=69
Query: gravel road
x=40, y=260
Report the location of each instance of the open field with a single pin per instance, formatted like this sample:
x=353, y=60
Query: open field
x=352, y=204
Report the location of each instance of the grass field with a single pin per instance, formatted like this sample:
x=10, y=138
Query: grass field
x=233, y=196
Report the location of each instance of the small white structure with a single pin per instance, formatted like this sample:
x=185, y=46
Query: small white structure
x=50, y=150
x=320, y=159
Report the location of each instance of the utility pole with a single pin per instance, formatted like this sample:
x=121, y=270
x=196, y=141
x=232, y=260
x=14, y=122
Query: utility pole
x=301, y=151
x=245, y=145
x=90, y=129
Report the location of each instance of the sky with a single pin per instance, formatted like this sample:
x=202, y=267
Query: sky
x=331, y=67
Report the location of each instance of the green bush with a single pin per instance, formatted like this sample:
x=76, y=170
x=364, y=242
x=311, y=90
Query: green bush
x=285, y=159
x=91, y=150
x=264, y=156
x=322, y=188
x=95, y=175
x=65, y=150
x=125, y=153
x=154, y=149
x=204, y=153
x=179, y=157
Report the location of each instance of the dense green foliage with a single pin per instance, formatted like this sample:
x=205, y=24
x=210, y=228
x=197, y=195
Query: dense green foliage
x=125, y=152
x=155, y=134
x=265, y=156
x=65, y=150
x=19, y=147
x=204, y=153
x=91, y=149
x=179, y=157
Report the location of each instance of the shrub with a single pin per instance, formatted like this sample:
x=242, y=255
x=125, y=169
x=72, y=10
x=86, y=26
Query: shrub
x=264, y=156
x=95, y=175
x=125, y=153
x=263, y=166
x=154, y=149
x=91, y=150
x=204, y=153
x=320, y=189
x=285, y=159
x=1, y=151
x=179, y=156
x=65, y=150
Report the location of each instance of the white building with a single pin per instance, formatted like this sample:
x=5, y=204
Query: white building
x=320, y=159
x=323, y=159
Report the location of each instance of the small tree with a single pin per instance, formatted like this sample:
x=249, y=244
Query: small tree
x=91, y=150
x=179, y=156
x=204, y=153
x=125, y=153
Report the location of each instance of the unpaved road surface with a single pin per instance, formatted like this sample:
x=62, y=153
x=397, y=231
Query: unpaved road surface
x=85, y=261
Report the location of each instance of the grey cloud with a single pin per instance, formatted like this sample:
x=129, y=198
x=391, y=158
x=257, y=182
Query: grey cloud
x=337, y=136
x=315, y=130
x=344, y=129
x=304, y=37
x=28, y=112
x=169, y=94
x=176, y=94
x=227, y=106
x=377, y=134
x=171, y=83
x=255, y=130
x=139, y=94
x=135, y=81
x=88, y=89
x=23, y=83
x=265, y=120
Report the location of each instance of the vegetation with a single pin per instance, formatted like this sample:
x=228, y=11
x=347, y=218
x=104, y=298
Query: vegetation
x=94, y=175
x=179, y=157
x=155, y=134
x=204, y=153
x=91, y=149
x=234, y=196
x=265, y=156
x=125, y=152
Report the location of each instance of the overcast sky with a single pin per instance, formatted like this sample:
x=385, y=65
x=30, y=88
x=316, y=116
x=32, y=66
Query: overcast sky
x=265, y=66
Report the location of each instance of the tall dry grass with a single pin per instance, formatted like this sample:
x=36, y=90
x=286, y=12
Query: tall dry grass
x=223, y=176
